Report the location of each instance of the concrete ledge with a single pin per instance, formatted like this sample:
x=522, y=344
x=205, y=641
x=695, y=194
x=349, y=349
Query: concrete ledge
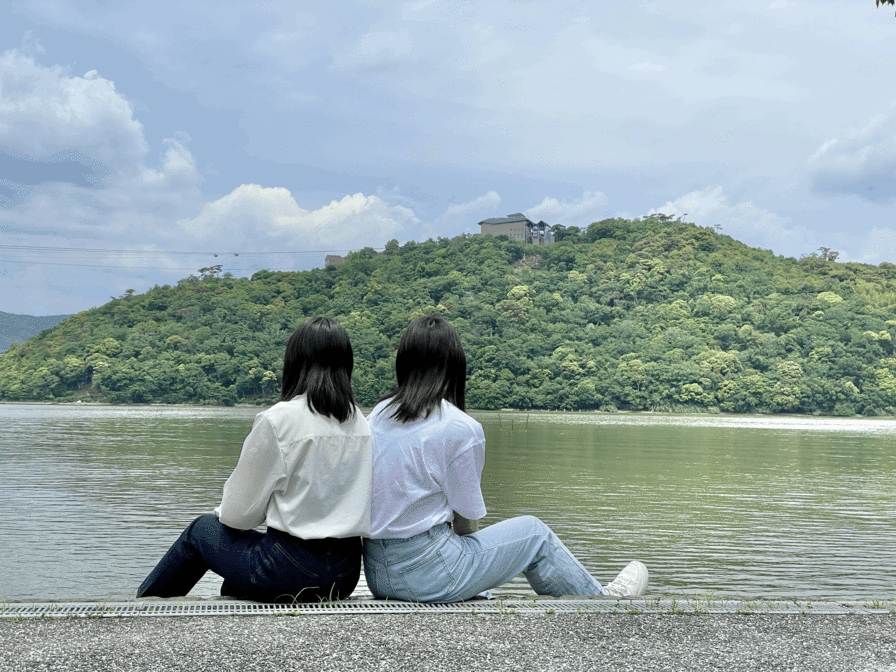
x=342, y=641
x=515, y=605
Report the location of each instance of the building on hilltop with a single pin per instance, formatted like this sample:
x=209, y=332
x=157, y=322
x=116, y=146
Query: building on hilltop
x=333, y=260
x=517, y=227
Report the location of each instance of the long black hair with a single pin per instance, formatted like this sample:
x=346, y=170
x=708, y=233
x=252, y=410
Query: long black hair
x=430, y=365
x=318, y=363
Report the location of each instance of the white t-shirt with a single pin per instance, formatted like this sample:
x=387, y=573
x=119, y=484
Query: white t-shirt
x=424, y=470
x=302, y=473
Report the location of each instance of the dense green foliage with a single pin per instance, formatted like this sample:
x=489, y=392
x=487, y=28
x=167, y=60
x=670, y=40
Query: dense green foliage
x=623, y=315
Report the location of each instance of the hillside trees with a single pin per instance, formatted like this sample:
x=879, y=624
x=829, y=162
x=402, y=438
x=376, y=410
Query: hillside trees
x=635, y=315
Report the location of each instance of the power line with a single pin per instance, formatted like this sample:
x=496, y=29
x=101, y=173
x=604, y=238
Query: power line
x=87, y=253
x=104, y=250
x=123, y=268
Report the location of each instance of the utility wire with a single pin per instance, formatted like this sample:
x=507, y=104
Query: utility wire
x=87, y=253
x=103, y=250
x=125, y=268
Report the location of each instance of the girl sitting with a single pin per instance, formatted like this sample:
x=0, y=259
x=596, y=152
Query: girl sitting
x=425, y=544
x=305, y=472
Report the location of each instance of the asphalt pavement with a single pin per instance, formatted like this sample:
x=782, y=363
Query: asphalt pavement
x=641, y=642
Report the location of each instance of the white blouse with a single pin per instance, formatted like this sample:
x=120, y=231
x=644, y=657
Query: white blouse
x=424, y=471
x=302, y=473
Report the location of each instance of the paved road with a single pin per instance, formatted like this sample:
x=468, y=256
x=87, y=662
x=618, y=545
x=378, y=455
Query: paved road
x=399, y=642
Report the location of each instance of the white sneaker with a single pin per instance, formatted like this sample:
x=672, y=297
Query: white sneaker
x=631, y=582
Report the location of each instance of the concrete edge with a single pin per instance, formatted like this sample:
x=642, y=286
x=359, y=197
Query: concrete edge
x=671, y=605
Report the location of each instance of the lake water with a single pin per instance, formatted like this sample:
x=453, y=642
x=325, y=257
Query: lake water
x=91, y=497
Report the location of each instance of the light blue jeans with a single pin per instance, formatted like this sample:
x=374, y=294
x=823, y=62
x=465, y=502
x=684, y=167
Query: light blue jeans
x=440, y=566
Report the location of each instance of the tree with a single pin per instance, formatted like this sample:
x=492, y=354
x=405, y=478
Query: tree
x=209, y=272
x=643, y=314
x=878, y=3
x=561, y=232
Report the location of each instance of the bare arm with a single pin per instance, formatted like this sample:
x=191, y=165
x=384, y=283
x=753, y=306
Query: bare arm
x=463, y=525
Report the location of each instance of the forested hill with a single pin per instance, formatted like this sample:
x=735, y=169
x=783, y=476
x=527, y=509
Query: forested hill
x=626, y=315
x=22, y=327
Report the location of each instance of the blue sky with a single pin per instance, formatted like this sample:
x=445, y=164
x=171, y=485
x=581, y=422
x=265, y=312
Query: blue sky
x=139, y=140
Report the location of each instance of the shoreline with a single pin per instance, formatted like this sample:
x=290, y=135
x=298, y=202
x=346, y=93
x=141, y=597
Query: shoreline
x=669, y=414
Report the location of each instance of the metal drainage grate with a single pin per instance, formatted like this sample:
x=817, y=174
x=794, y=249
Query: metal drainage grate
x=217, y=607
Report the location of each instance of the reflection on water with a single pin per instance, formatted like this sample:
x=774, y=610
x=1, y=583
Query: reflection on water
x=745, y=506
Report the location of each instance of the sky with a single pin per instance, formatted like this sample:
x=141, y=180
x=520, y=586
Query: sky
x=142, y=141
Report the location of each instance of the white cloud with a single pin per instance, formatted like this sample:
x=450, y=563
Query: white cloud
x=529, y=88
x=252, y=215
x=462, y=212
x=413, y=93
x=860, y=161
x=582, y=212
x=487, y=201
x=743, y=221
x=462, y=217
x=44, y=110
x=156, y=207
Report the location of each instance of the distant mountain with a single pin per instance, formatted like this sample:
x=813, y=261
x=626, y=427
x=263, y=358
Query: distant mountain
x=22, y=327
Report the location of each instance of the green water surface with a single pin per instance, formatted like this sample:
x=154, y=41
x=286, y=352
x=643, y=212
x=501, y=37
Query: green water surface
x=731, y=506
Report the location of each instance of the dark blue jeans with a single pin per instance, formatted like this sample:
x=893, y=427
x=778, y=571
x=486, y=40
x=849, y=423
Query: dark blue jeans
x=271, y=567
